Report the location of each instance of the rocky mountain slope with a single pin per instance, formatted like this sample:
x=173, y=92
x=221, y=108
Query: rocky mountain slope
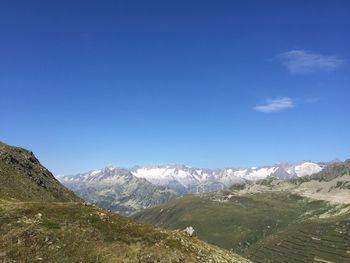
x=61, y=229
x=117, y=190
x=306, y=219
x=24, y=178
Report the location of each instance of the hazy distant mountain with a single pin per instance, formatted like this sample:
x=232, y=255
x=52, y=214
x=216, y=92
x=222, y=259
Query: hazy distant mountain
x=117, y=189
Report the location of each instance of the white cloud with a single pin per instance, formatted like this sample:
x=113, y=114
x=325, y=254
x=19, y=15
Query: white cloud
x=300, y=61
x=275, y=105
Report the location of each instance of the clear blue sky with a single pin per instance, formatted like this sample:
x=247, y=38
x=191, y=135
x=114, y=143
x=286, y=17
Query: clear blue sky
x=205, y=83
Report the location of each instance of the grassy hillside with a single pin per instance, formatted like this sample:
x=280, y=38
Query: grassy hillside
x=72, y=232
x=317, y=240
x=269, y=225
x=22, y=177
x=42, y=221
x=235, y=222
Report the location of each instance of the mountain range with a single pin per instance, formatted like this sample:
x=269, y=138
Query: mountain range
x=117, y=189
x=185, y=179
x=128, y=190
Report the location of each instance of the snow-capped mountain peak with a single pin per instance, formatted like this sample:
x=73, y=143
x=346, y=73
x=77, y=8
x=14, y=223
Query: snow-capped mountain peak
x=215, y=179
x=185, y=179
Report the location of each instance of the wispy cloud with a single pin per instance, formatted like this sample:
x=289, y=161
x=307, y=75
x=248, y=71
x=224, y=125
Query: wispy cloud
x=275, y=105
x=300, y=61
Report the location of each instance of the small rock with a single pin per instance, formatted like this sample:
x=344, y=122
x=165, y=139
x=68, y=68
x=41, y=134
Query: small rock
x=189, y=230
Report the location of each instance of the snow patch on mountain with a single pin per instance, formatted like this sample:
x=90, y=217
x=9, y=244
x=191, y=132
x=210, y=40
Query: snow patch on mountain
x=307, y=168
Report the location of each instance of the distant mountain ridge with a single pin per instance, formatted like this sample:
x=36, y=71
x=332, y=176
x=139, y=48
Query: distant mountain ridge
x=117, y=189
x=186, y=179
x=130, y=190
x=332, y=184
